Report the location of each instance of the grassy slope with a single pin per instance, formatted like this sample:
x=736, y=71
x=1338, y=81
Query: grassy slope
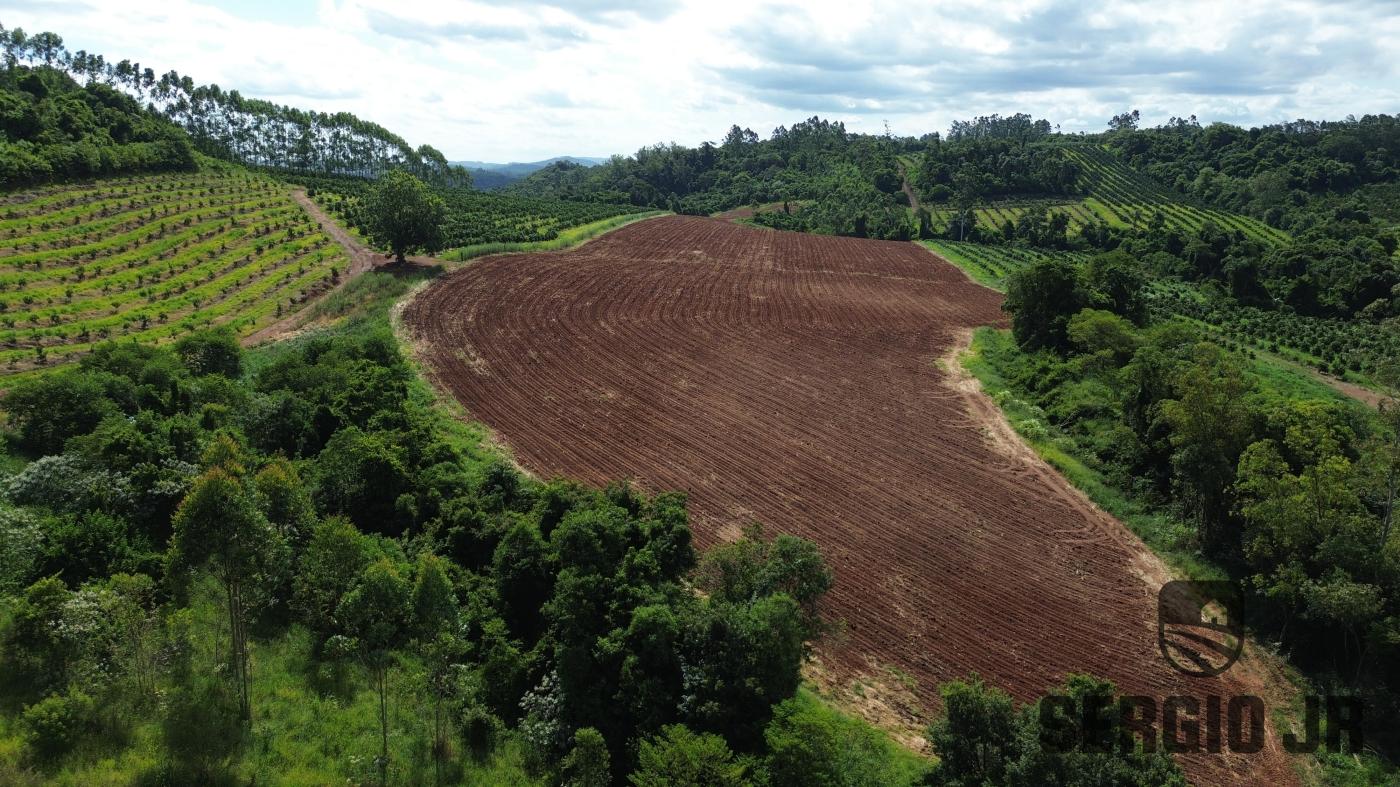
x=567, y=239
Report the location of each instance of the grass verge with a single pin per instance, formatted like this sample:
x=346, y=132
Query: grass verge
x=566, y=239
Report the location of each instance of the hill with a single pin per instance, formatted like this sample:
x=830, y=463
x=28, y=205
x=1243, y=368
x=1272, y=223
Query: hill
x=124, y=118
x=52, y=128
x=520, y=169
x=490, y=177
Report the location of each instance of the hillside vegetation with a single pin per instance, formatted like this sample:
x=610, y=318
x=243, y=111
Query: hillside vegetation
x=51, y=128
x=133, y=112
x=474, y=221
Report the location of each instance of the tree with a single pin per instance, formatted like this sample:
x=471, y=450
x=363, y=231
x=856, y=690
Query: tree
x=435, y=628
x=1116, y=283
x=976, y=737
x=679, y=757
x=1041, y=299
x=212, y=352
x=335, y=556
x=376, y=614
x=1212, y=422
x=218, y=525
x=756, y=566
x=741, y=660
x=283, y=499
x=1074, y=754
x=404, y=214
x=1126, y=121
x=588, y=764
x=1097, y=331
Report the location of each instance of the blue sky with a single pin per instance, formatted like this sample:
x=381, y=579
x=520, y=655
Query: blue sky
x=525, y=79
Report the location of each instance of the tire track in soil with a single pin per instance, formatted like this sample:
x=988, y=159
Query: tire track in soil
x=795, y=380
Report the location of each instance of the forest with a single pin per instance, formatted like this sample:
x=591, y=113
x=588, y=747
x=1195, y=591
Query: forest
x=52, y=137
x=846, y=184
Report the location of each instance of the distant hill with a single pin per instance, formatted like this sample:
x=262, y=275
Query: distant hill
x=489, y=176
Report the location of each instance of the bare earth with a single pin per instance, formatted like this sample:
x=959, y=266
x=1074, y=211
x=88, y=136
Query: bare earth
x=811, y=383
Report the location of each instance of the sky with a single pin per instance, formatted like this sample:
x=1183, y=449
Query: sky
x=522, y=80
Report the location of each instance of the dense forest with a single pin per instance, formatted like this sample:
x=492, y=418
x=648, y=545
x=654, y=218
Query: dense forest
x=846, y=184
x=53, y=128
x=48, y=137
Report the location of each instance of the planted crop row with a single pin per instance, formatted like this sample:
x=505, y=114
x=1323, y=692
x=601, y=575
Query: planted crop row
x=1125, y=198
x=994, y=215
x=152, y=258
x=1334, y=346
x=475, y=217
x=990, y=265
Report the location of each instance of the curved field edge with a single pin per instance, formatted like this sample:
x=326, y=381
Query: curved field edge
x=1163, y=533
x=876, y=711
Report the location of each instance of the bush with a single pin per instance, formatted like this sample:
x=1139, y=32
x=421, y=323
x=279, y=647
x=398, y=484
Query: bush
x=810, y=743
x=55, y=724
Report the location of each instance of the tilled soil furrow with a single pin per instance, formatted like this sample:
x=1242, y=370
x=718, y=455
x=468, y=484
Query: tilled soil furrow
x=803, y=382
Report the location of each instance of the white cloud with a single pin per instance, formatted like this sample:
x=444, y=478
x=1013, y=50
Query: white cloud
x=497, y=80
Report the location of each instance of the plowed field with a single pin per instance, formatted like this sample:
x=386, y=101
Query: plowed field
x=808, y=383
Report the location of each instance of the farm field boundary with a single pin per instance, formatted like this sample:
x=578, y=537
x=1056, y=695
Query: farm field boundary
x=802, y=381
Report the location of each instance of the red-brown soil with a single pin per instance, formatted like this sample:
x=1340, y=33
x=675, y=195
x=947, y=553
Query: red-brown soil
x=808, y=383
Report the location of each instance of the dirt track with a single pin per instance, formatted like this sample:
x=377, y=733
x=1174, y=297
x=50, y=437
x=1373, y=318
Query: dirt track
x=808, y=383
x=362, y=260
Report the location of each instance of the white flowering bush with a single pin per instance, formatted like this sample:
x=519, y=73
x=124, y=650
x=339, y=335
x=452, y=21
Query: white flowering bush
x=21, y=543
x=69, y=483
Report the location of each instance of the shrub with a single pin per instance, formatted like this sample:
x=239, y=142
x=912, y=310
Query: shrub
x=55, y=724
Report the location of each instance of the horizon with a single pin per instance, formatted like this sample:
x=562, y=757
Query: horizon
x=481, y=81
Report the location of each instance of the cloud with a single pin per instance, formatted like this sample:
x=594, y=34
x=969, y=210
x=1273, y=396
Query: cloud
x=479, y=30
x=523, y=80
x=602, y=10
x=977, y=54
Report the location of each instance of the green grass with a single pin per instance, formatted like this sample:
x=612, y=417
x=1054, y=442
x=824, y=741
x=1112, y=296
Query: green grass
x=567, y=238
x=867, y=755
x=1166, y=535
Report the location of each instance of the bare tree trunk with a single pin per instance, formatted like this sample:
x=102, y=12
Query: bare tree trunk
x=383, y=727
x=238, y=647
x=1388, y=517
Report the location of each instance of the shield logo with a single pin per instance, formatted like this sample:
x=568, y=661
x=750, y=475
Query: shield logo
x=1200, y=626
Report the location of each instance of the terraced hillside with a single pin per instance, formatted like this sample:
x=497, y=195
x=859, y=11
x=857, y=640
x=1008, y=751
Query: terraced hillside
x=1119, y=196
x=152, y=258
x=1124, y=197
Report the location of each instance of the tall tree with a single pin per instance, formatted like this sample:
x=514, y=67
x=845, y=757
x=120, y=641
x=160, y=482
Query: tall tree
x=376, y=613
x=404, y=214
x=219, y=526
